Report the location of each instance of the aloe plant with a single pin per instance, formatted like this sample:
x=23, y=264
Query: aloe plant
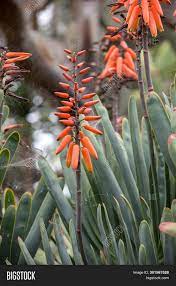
x=121, y=216
x=122, y=208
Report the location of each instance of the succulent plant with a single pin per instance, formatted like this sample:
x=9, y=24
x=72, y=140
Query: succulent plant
x=121, y=212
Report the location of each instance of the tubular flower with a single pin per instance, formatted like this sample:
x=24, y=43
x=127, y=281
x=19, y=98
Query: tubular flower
x=74, y=113
x=9, y=71
x=149, y=10
x=120, y=61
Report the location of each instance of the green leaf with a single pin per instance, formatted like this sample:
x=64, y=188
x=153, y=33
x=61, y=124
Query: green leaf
x=161, y=126
x=173, y=92
x=173, y=209
x=103, y=181
x=172, y=149
x=126, y=135
x=161, y=176
x=145, y=143
x=130, y=220
x=6, y=232
x=28, y=258
x=9, y=198
x=37, y=200
x=141, y=170
x=53, y=185
x=146, y=238
x=169, y=243
x=12, y=143
x=130, y=252
x=4, y=160
x=122, y=253
x=33, y=238
x=65, y=258
x=46, y=243
x=142, y=255
x=114, y=233
x=105, y=238
x=21, y=220
x=122, y=159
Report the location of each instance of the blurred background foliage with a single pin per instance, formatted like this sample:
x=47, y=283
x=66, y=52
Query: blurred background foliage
x=45, y=28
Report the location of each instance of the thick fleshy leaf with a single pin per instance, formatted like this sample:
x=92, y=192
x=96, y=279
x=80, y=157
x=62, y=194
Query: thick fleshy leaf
x=161, y=126
x=9, y=198
x=4, y=160
x=141, y=169
x=20, y=226
x=6, y=233
x=46, y=243
x=25, y=252
x=52, y=183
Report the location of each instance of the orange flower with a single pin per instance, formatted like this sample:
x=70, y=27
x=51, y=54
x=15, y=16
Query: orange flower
x=92, y=118
x=67, y=122
x=92, y=129
x=61, y=94
x=62, y=115
x=84, y=71
x=91, y=103
x=88, y=144
x=69, y=154
x=75, y=156
x=88, y=95
x=87, y=80
x=64, y=68
x=13, y=57
x=64, y=108
x=87, y=159
x=63, y=143
x=67, y=103
x=64, y=132
x=119, y=64
x=64, y=85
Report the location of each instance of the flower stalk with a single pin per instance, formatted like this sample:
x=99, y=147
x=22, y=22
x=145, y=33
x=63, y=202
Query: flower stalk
x=76, y=113
x=147, y=60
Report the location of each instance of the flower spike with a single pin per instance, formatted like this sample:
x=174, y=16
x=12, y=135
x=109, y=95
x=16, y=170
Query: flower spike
x=74, y=114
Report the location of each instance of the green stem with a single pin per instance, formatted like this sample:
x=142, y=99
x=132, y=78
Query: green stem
x=146, y=60
x=153, y=203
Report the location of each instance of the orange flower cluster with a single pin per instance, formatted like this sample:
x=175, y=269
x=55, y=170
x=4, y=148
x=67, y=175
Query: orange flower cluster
x=120, y=61
x=75, y=113
x=8, y=60
x=9, y=71
x=149, y=10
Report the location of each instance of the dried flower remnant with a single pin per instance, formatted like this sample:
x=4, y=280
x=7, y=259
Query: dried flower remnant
x=75, y=113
